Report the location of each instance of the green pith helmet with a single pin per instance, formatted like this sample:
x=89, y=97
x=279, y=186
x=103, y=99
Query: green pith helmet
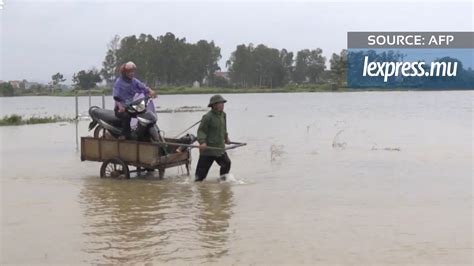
x=216, y=99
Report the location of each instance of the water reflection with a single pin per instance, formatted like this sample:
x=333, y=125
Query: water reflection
x=215, y=203
x=77, y=134
x=142, y=221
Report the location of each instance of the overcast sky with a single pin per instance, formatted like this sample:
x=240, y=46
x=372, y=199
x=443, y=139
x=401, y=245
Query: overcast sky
x=40, y=38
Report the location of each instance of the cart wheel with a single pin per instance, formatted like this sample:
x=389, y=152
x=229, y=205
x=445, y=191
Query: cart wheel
x=161, y=173
x=114, y=168
x=101, y=133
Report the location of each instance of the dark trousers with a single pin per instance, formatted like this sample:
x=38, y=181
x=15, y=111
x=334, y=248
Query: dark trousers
x=125, y=118
x=205, y=163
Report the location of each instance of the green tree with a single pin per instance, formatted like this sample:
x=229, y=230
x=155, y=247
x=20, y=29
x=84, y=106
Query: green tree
x=57, y=79
x=110, y=64
x=172, y=58
x=147, y=50
x=310, y=65
x=86, y=79
x=166, y=59
x=338, y=65
x=127, y=51
x=260, y=66
x=301, y=66
x=287, y=62
x=316, y=65
x=241, y=66
x=6, y=89
x=201, y=61
x=269, y=66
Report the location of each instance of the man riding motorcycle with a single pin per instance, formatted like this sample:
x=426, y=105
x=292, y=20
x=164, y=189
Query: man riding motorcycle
x=125, y=88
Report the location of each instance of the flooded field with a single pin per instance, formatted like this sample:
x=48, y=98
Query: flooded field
x=366, y=178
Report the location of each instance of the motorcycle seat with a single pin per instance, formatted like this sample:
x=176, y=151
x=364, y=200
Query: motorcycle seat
x=106, y=115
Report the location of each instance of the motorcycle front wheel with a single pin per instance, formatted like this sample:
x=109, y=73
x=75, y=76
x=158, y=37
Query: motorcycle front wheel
x=101, y=133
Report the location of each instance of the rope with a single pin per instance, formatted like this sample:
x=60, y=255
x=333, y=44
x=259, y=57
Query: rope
x=184, y=131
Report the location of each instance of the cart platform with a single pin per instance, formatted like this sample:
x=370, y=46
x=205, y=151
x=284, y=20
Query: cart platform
x=116, y=155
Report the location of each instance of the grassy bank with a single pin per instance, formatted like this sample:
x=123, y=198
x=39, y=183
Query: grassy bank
x=16, y=120
x=287, y=89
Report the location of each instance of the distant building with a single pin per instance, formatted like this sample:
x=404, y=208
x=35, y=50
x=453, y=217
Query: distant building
x=15, y=83
x=222, y=74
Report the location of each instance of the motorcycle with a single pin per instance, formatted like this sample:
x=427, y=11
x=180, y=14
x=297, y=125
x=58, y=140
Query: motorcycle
x=143, y=123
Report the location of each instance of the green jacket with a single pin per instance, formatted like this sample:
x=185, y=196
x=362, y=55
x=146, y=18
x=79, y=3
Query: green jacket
x=213, y=132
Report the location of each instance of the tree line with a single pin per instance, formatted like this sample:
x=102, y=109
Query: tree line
x=166, y=59
x=263, y=66
x=171, y=61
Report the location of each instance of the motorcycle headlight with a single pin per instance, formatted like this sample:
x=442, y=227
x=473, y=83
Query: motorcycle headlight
x=140, y=107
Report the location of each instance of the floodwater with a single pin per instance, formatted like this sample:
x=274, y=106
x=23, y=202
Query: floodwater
x=365, y=178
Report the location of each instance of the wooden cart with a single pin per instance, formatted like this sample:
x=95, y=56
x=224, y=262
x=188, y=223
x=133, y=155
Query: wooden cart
x=117, y=155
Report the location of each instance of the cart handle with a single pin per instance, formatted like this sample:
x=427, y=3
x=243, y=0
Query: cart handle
x=232, y=145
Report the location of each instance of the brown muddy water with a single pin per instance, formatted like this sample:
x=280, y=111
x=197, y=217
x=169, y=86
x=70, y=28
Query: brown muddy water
x=367, y=178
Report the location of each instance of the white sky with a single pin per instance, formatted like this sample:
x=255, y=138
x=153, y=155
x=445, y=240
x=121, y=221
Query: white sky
x=40, y=38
